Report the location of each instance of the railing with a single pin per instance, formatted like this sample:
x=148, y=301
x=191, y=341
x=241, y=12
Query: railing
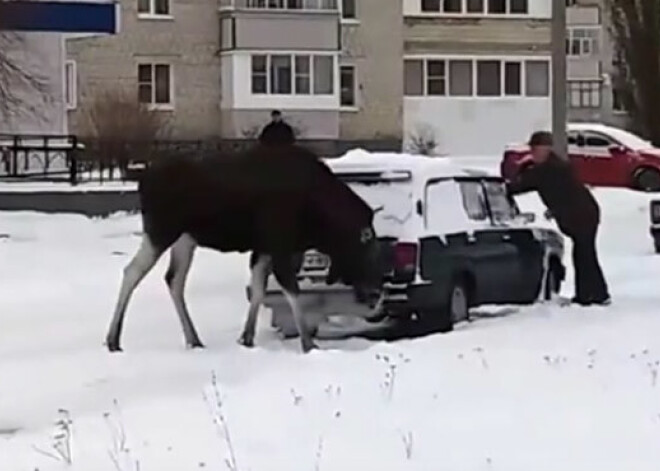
x=280, y=5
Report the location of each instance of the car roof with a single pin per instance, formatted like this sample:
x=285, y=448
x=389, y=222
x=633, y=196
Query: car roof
x=359, y=160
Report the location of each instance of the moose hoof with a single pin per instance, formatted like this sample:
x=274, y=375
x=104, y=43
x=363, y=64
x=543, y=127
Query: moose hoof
x=246, y=340
x=309, y=345
x=195, y=345
x=114, y=347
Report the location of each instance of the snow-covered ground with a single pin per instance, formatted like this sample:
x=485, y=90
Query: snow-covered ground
x=536, y=388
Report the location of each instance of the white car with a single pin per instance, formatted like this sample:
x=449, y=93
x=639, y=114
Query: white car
x=451, y=239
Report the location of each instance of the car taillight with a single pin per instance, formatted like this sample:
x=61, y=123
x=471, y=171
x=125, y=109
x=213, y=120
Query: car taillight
x=655, y=212
x=405, y=260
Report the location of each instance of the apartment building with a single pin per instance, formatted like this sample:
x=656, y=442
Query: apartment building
x=590, y=64
x=217, y=68
x=477, y=72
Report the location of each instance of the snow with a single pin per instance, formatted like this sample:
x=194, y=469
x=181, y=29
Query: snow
x=522, y=388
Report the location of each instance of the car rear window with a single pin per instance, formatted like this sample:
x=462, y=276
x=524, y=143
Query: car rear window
x=390, y=194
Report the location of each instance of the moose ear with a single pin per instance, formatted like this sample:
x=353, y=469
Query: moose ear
x=366, y=235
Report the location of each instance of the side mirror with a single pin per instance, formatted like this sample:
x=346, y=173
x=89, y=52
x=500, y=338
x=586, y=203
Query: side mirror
x=528, y=217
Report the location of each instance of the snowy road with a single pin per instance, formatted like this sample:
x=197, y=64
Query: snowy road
x=544, y=388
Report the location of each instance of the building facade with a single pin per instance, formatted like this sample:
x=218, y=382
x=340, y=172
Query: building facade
x=469, y=75
x=218, y=69
x=591, y=67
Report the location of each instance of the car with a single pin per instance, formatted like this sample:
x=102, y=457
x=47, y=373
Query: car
x=602, y=156
x=452, y=239
x=654, y=210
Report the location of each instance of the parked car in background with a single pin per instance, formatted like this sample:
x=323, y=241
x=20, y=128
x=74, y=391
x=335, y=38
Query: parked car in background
x=451, y=238
x=602, y=156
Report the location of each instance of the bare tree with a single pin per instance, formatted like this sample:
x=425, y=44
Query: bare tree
x=635, y=30
x=17, y=82
x=121, y=129
x=423, y=141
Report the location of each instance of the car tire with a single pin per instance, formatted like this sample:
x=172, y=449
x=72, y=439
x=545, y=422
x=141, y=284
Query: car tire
x=648, y=179
x=455, y=309
x=552, y=282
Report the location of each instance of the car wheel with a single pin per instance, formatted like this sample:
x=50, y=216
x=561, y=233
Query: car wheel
x=552, y=282
x=648, y=180
x=455, y=309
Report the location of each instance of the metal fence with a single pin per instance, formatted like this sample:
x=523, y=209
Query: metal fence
x=67, y=158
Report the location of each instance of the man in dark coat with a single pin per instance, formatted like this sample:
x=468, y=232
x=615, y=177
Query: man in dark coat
x=573, y=207
x=277, y=132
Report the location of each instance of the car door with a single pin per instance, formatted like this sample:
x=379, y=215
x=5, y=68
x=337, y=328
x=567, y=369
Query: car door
x=495, y=257
x=603, y=167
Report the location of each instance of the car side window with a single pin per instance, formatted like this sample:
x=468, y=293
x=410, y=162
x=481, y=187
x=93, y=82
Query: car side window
x=500, y=205
x=474, y=200
x=592, y=139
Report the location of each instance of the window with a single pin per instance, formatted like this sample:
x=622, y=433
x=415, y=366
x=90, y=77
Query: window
x=583, y=41
x=303, y=75
x=323, y=75
x=480, y=7
x=259, y=74
x=348, y=9
x=287, y=74
x=153, y=7
x=460, y=78
x=474, y=200
x=584, y=94
x=348, y=86
x=435, y=77
x=70, y=85
x=413, y=77
x=618, y=102
x=512, y=79
x=489, y=78
x=537, y=78
x=593, y=139
x=498, y=200
x=480, y=77
x=155, y=84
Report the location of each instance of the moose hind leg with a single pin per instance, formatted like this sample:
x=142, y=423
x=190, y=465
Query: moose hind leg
x=143, y=261
x=260, y=266
x=284, y=269
x=181, y=256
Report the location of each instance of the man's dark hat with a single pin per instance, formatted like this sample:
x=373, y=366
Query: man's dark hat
x=541, y=138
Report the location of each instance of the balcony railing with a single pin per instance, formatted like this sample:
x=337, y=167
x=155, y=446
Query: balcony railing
x=280, y=5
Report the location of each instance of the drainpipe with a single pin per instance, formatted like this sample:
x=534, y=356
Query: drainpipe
x=558, y=75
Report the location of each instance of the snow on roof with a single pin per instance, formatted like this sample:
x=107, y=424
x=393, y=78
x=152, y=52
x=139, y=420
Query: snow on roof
x=624, y=137
x=362, y=160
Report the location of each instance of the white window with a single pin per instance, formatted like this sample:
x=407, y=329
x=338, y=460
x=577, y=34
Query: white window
x=476, y=7
x=288, y=74
x=348, y=86
x=584, y=93
x=148, y=8
x=583, y=41
x=467, y=77
x=155, y=85
x=70, y=85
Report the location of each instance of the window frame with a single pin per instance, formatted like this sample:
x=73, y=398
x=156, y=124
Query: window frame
x=571, y=39
x=152, y=103
x=522, y=62
x=355, y=106
x=483, y=13
x=150, y=13
x=292, y=57
x=579, y=87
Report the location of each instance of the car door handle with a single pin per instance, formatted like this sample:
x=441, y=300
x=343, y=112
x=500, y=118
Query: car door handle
x=471, y=239
x=506, y=237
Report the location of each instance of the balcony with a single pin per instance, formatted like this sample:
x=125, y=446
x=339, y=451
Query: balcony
x=272, y=25
x=280, y=5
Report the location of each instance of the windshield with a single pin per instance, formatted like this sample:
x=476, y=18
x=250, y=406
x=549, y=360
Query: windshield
x=500, y=205
x=480, y=195
x=393, y=196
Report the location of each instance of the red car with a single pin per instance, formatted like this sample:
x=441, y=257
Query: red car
x=602, y=156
